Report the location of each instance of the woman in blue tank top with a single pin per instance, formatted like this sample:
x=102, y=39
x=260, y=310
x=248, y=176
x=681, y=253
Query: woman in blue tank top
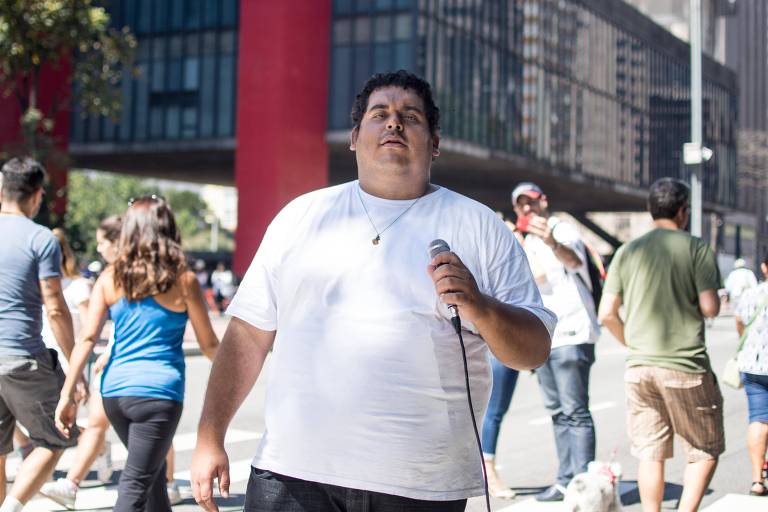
x=150, y=295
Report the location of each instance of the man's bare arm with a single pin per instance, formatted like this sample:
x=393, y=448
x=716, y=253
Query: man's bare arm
x=238, y=363
x=235, y=370
x=515, y=335
x=567, y=256
x=58, y=313
x=709, y=303
x=609, y=316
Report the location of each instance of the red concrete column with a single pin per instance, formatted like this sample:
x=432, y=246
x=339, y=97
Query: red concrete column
x=55, y=91
x=282, y=108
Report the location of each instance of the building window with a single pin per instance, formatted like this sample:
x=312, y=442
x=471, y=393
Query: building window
x=185, y=86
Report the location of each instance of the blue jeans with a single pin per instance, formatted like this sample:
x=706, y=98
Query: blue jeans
x=564, y=381
x=504, y=382
x=756, y=388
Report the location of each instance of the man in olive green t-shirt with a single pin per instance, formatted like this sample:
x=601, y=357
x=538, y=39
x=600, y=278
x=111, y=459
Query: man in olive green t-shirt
x=667, y=281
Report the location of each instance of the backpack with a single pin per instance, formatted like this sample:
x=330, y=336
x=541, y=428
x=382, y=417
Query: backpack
x=596, y=276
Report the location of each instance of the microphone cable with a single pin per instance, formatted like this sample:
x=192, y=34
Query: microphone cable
x=456, y=321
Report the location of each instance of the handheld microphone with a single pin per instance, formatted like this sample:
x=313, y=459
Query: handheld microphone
x=436, y=247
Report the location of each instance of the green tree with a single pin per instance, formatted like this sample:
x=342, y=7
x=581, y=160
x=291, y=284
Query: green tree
x=189, y=209
x=39, y=33
x=93, y=197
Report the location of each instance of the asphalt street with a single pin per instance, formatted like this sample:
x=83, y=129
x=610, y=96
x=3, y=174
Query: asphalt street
x=526, y=453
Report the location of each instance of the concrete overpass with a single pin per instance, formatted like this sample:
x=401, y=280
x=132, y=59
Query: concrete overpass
x=588, y=101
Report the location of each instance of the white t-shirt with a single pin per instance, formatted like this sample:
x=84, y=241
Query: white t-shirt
x=564, y=291
x=76, y=291
x=366, y=387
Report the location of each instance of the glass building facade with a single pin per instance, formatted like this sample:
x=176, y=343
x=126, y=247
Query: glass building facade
x=186, y=63
x=566, y=83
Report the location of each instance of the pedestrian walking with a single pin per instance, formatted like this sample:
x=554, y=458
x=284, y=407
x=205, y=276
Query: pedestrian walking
x=739, y=281
x=92, y=448
x=667, y=281
x=559, y=262
x=504, y=380
x=752, y=326
x=30, y=374
x=223, y=284
x=150, y=295
x=76, y=289
x=367, y=391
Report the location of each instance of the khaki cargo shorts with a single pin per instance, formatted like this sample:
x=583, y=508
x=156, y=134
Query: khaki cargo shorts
x=663, y=402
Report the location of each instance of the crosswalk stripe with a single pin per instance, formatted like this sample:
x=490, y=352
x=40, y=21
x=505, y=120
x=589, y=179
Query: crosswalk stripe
x=104, y=497
x=186, y=442
x=740, y=502
x=181, y=443
x=239, y=471
x=728, y=503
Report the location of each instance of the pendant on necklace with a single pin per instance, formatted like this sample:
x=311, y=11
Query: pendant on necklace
x=376, y=240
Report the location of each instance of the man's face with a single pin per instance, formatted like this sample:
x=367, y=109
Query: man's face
x=394, y=136
x=527, y=205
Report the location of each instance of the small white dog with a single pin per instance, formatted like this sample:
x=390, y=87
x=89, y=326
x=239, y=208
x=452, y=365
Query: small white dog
x=597, y=490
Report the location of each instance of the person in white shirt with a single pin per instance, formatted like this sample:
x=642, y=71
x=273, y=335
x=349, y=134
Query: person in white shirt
x=738, y=281
x=77, y=291
x=559, y=263
x=366, y=399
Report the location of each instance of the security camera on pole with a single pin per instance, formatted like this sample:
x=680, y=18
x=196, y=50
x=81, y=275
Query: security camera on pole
x=694, y=154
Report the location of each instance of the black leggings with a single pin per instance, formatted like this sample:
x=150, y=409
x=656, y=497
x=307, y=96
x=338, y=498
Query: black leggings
x=146, y=427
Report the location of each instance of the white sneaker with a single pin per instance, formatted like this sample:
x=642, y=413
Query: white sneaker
x=103, y=464
x=174, y=495
x=62, y=491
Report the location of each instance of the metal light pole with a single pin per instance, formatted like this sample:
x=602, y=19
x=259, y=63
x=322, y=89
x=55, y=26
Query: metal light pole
x=696, y=121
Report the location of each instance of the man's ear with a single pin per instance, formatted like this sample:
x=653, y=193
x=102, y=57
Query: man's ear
x=353, y=138
x=682, y=217
x=435, y=146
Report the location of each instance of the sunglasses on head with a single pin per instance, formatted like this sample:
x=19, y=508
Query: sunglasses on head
x=151, y=198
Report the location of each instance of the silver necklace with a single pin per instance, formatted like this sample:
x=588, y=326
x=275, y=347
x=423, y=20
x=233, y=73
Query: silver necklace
x=377, y=238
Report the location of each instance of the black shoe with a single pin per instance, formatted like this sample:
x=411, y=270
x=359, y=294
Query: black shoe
x=552, y=493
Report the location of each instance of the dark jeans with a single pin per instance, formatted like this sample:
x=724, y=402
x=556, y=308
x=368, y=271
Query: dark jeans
x=146, y=427
x=504, y=382
x=271, y=492
x=564, y=381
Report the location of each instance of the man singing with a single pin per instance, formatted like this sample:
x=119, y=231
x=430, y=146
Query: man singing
x=366, y=405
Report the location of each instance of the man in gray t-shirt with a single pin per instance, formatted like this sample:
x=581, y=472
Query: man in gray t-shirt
x=30, y=376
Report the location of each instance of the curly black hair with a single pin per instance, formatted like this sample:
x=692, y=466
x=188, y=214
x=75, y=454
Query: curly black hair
x=400, y=78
